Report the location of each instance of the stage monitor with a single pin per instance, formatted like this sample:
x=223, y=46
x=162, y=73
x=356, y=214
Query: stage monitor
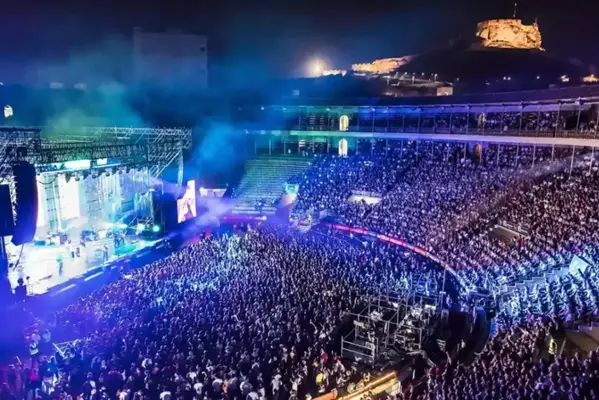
x=186, y=205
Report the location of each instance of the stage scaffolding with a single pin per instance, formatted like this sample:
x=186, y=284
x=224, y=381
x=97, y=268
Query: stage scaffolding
x=390, y=326
x=157, y=148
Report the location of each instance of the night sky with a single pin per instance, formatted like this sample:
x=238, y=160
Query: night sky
x=277, y=38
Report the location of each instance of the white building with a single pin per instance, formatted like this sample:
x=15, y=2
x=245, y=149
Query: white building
x=170, y=59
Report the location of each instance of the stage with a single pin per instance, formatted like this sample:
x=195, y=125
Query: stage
x=83, y=201
x=41, y=265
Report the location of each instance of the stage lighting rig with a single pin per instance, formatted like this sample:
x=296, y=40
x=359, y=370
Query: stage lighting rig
x=150, y=150
x=157, y=147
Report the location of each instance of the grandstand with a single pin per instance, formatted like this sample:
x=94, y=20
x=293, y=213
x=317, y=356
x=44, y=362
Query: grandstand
x=263, y=181
x=487, y=188
x=566, y=113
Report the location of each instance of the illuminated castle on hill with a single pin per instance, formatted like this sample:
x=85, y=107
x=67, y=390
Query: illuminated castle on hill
x=509, y=34
x=501, y=55
x=494, y=33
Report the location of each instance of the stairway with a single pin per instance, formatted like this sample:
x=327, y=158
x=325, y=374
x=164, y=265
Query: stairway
x=262, y=185
x=550, y=275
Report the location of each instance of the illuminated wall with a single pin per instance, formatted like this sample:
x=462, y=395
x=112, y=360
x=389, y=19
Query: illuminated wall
x=80, y=202
x=500, y=33
x=329, y=72
x=509, y=34
x=69, y=198
x=382, y=66
x=42, y=214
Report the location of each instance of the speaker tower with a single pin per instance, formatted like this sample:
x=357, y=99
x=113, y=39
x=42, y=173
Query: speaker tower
x=27, y=207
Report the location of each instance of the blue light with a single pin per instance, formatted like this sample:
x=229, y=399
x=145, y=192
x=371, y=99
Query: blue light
x=77, y=164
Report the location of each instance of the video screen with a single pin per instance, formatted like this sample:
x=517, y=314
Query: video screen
x=186, y=205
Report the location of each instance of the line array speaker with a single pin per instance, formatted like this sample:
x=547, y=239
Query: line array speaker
x=7, y=222
x=27, y=207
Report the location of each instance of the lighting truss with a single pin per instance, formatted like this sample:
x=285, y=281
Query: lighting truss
x=157, y=147
x=20, y=136
x=15, y=144
x=163, y=146
x=69, y=151
x=389, y=326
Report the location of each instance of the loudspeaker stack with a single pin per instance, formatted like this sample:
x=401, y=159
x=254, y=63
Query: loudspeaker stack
x=27, y=204
x=7, y=222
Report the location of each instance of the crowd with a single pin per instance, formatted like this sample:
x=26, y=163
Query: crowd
x=424, y=190
x=422, y=206
x=553, y=219
x=240, y=317
x=516, y=364
x=330, y=181
x=509, y=216
x=257, y=316
x=571, y=298
x=452, y=204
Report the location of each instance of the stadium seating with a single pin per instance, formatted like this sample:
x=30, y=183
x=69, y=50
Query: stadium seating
x=262, y=184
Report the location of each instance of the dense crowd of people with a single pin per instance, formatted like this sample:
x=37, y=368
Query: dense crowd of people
x=451, y=205
x=516, y=365
x=509, y=216
x=251, y=316
x=258, y=315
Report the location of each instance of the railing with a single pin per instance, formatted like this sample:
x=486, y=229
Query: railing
x=563, y=133
x=572, y=93
x=572, y=119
